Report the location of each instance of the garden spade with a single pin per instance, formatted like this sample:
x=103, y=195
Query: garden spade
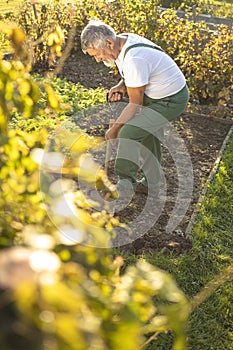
x=114, y=111
x=109, y=143
x=109, y=147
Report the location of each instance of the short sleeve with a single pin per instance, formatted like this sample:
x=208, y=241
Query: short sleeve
x=136, y=72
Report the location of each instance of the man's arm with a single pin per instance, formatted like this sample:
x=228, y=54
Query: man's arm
x=135, y=103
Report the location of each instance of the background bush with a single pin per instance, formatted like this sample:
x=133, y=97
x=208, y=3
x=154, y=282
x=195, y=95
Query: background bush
x=204, y=56
x=38, y=25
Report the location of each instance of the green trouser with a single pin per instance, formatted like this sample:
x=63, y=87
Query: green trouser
x=139, y=139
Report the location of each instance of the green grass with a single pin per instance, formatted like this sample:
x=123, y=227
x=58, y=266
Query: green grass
x=13, y=5
x=225, y=2
x=9, y=6
x=210, y=325
x=223, y=8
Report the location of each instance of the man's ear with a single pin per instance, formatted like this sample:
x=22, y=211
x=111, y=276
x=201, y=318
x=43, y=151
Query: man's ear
x=110, y=43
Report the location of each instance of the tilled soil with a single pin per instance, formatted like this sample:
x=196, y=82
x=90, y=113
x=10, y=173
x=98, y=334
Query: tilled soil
x=201, y=135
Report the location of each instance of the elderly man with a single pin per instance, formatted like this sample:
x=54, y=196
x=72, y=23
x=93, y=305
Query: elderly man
x=157, y=94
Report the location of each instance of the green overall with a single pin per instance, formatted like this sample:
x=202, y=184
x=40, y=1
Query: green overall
x=139, y=137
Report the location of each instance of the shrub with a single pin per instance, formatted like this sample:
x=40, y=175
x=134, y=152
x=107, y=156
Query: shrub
x=48, y=25
x=204, y=56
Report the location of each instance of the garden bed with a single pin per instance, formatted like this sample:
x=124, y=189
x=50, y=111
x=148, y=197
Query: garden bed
x=203, y=137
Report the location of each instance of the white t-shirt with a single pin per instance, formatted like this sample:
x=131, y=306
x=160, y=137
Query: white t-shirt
x=147, y=66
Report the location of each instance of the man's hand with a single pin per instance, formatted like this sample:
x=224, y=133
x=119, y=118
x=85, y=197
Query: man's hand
x=136, y=101
x=117, y=91
x=112, y=132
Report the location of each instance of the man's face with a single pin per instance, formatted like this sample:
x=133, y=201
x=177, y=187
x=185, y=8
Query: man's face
x=105, y=55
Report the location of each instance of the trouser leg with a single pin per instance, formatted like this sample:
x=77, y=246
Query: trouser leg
x=136, y=144
x=128, y=154
x=151, y=159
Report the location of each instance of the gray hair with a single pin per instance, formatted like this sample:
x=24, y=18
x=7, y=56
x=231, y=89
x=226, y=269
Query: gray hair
x=94, y=35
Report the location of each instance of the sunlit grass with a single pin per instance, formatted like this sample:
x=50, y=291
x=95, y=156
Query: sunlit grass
x=7, y=6
x=10, y=5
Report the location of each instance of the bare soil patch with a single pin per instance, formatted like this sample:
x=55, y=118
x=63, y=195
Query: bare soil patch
x=203, y=137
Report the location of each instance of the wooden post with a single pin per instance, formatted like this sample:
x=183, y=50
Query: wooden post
x=194, y=9
x=33, y=3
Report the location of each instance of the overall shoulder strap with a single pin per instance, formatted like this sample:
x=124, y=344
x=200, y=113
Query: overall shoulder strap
x=156, y=47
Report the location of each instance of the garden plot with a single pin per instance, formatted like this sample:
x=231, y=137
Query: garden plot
x=203, y=137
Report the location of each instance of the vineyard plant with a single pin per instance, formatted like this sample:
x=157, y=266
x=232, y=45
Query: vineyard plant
x=58, y=293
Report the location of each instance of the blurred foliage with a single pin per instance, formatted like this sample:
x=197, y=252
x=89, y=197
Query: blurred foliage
x=55, y=292
x=83, y=303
